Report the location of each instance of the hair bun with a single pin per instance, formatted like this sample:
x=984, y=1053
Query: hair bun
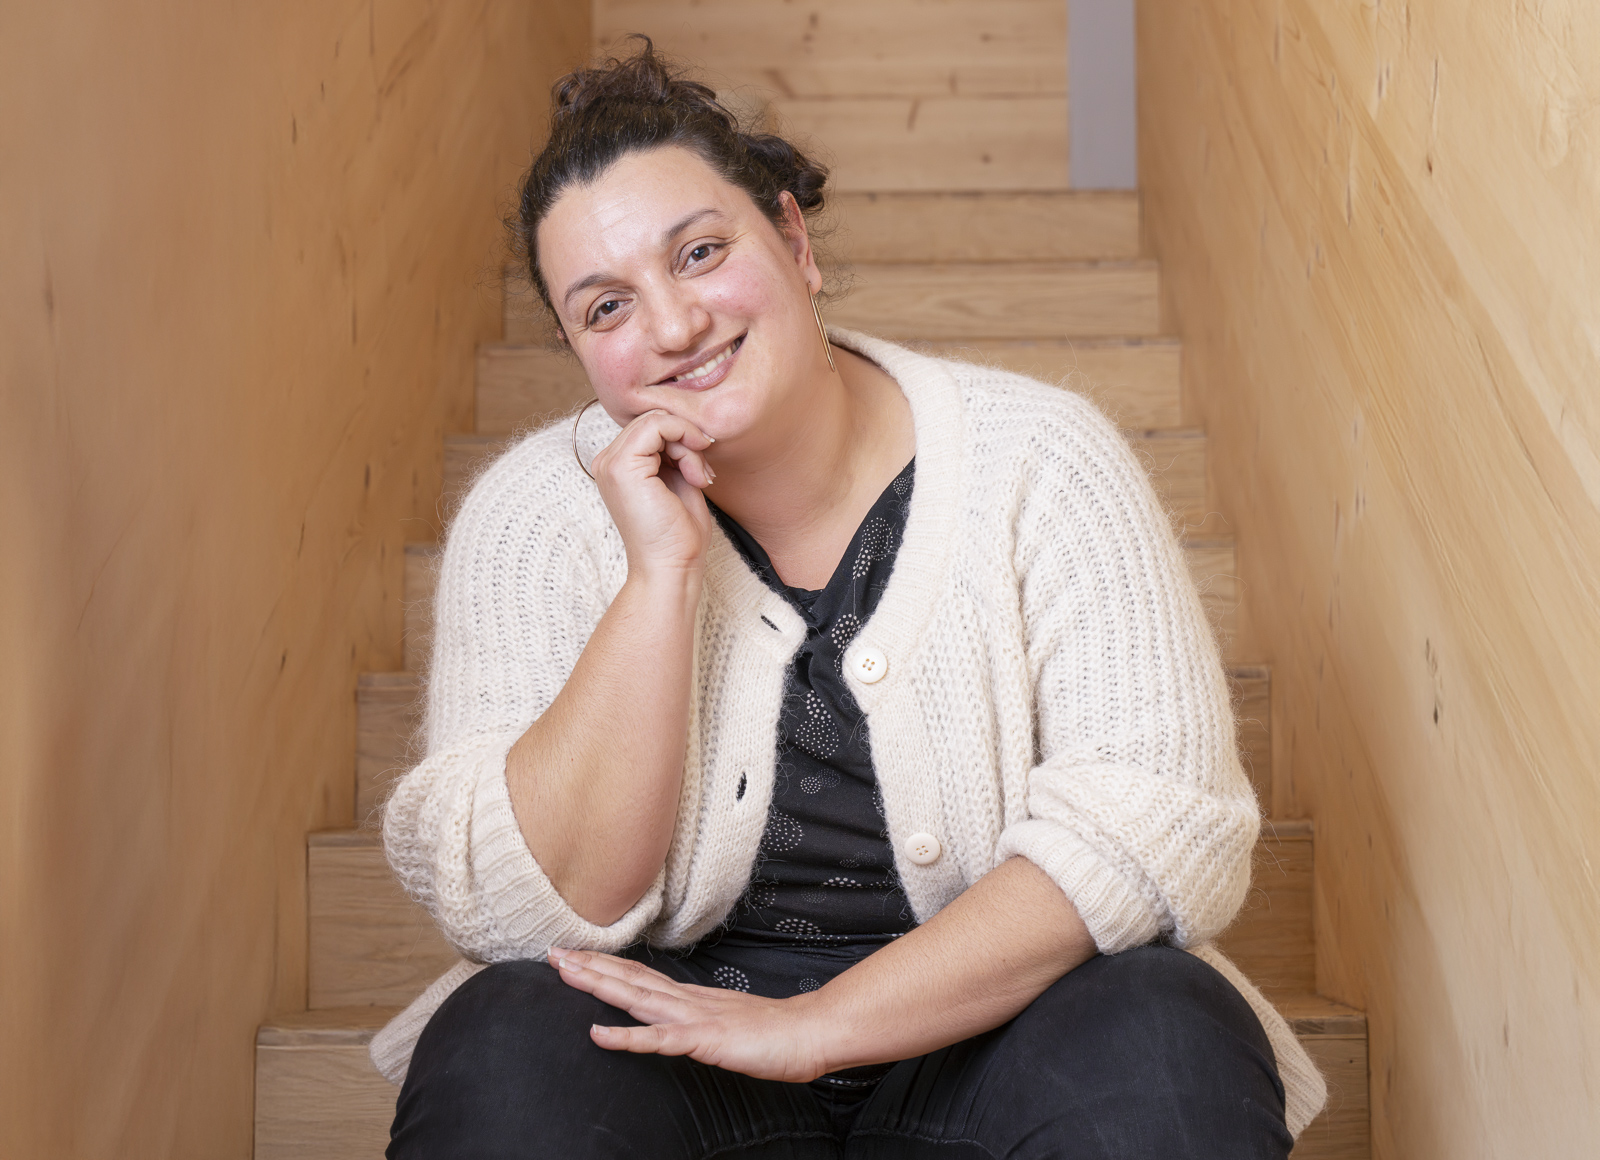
x=601, y=113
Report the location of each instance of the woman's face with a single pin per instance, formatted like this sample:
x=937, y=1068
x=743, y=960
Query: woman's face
x=678, y=293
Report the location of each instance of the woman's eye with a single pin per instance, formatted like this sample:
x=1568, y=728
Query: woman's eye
x=700, y=253
x=609, y=307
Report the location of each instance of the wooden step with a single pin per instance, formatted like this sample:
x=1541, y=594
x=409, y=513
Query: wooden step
x=931, y=143
x=1251, y=686
x=1271, y=940
x=318, y=1096
x=959, y=301
x=1211, y=563
x=387, y=715
x=370, y=943
x=1067, y=225
x=1335, y=1036
x=1134, y=380
x=853, y=48
x=1175, y=459
x=966, y=300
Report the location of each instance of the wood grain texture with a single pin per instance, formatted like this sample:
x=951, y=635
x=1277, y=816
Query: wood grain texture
x=966, y=300
x=1135, y=381
x=421, y=574
x=388, y=712
x=1343, y=1131
x=522, y=386
x=855, y=48
x=1252, y=707
x=983, y=227
x=369, y=943
x=320, y=1102
x=1377, y=228
x=932, y=143
x=240, y=290
x=1271, y=937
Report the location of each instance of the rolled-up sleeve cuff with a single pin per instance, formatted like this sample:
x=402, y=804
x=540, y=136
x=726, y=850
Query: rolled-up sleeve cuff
x=526, y=907
x=1116, y=915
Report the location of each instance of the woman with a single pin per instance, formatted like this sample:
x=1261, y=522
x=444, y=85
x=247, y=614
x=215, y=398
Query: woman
x=825, y=743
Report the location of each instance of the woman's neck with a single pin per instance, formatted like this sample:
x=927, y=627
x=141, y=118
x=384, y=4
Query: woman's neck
x=804, y=488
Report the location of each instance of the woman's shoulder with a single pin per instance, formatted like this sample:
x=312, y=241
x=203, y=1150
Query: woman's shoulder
x=1019, y=418
x=537, y=481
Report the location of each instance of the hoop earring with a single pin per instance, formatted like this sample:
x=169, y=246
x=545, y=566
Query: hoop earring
x=827, y=347
x=576, y=420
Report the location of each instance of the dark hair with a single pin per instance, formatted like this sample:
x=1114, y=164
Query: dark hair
x=600, y=114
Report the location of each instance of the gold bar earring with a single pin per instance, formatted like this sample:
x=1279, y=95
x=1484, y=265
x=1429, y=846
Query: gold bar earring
x=827, y=347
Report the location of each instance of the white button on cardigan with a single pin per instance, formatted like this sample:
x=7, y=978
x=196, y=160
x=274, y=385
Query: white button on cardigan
x=870, y=665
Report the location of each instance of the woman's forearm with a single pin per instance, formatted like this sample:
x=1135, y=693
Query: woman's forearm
x=594, y=781
x=973, y=966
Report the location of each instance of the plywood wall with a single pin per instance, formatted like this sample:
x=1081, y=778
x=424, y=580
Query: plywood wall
x=245, y=254
x=1378, y=225
x=903, y=94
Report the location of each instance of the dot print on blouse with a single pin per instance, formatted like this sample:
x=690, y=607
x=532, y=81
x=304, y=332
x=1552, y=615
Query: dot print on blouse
x=731, y=978
x=816, y=733
x=783, y=833
x=845, y=629
x=877, y=543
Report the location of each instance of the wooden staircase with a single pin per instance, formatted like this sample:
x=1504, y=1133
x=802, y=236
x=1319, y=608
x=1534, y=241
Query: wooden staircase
x=1050, y=283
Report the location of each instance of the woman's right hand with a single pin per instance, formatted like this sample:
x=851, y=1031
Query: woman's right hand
x=650, y=477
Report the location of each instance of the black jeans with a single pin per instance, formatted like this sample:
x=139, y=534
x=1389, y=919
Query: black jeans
x=1148, y=1053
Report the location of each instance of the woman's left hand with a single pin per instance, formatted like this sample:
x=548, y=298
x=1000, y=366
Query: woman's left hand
x=779, y=1039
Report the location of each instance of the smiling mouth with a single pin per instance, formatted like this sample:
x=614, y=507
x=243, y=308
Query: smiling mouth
x=702, y=371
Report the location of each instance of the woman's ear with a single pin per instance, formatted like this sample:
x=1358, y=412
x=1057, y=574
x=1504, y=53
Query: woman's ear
x=795, y=233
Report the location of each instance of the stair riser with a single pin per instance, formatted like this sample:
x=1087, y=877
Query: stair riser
x=325, y=1102
x=1134, y=381
x=387, y=717
x=1343, y=1130
x=1271, y=940
x=992, y=227
x=962, y=300
x=1000, y=300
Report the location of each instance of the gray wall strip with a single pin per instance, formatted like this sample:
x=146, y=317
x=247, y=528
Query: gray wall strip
x=1101, y=94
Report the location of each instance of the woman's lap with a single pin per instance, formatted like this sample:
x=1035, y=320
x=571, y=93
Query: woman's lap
x=1143, y=1054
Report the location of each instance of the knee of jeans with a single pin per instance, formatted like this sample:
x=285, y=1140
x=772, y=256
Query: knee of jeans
x=510, y=1017
x=1151, y=1003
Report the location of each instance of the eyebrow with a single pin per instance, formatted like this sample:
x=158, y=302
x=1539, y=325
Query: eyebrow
x=667, y=235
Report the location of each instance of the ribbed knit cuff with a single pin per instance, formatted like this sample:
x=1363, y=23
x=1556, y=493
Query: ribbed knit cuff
x=1117, y=917
x=526, y=907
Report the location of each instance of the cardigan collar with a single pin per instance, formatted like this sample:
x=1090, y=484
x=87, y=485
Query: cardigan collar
x=917, y=580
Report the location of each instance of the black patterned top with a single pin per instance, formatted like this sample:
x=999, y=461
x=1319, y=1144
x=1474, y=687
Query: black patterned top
x=825, y=893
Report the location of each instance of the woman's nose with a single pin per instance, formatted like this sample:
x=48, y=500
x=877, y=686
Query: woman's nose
x=677, y=321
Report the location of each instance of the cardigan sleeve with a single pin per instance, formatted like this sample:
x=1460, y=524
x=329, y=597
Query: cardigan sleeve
x=521, y=588
x=1138, y=806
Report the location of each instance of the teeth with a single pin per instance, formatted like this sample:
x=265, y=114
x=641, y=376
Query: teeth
x=708, y=366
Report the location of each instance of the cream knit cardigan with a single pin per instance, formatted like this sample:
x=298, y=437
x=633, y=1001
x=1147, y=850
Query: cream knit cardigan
x=1053, y=691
